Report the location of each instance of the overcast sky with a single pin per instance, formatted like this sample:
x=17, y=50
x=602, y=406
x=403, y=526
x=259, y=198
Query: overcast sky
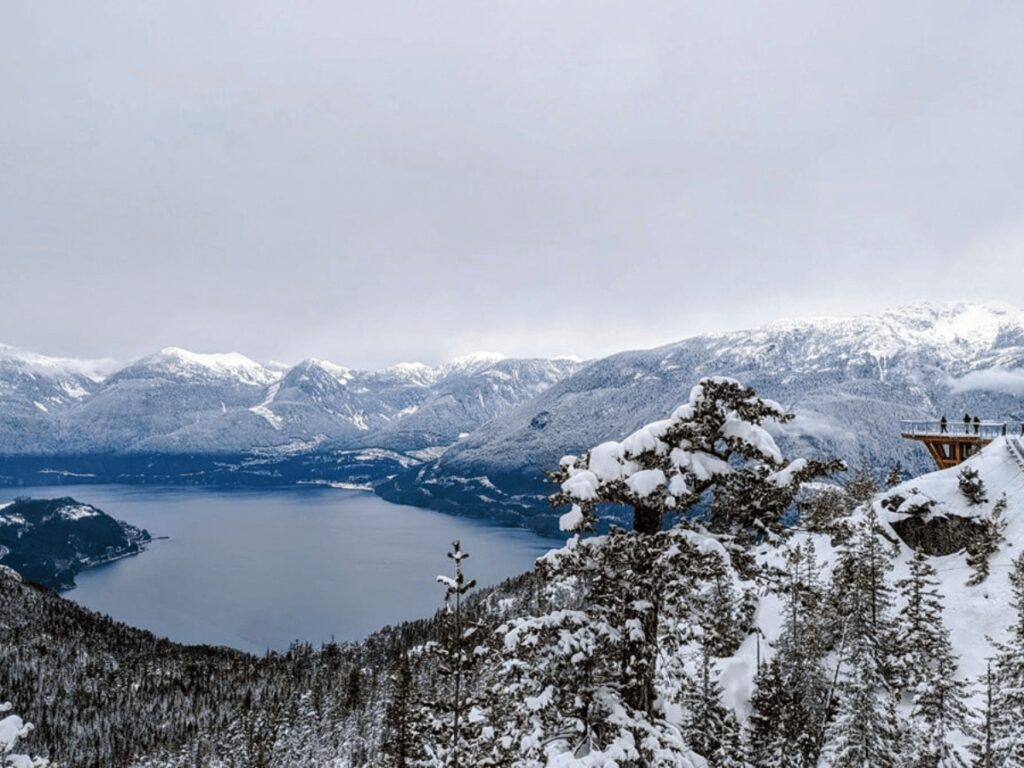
x=372, y=182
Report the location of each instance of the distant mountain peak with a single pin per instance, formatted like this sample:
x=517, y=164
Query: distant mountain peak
x=57, y=367
x=950, y=319
x=476, y=358
x=219, y=364
x=339, y=372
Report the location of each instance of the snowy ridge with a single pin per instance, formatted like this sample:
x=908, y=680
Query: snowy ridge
x=230, y=365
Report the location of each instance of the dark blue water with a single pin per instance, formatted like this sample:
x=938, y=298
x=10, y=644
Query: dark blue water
x=257, y=570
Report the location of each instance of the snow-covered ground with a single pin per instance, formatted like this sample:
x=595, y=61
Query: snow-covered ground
x=974, y=615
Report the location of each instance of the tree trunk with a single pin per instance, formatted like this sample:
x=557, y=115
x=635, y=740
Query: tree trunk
x=646, y=520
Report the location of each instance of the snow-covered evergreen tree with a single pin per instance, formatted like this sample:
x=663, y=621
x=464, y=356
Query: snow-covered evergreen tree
x=862, y=486
x=723, y=619
x=940, y=718
x=713, y=449
x=865, y=729
x=451, y=730
x=401, y=744
x=989, y=535
x=1007, y=707
x=862, y=594
x=666, y=467
x=824, y=509
x=972, y=486
x=579, y=674
x=789, y=714
x=711, y=728
x=768, y=736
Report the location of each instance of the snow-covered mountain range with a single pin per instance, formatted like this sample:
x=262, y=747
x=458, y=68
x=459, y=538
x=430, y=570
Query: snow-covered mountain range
x=181, y=402
x=475, y=436
x=850, y=381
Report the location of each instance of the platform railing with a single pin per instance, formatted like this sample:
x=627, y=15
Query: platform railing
x=987, y=430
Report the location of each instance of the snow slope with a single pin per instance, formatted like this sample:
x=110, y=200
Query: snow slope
x=974, y=615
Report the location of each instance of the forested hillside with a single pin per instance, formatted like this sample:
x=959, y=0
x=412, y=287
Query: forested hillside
x=50, y=540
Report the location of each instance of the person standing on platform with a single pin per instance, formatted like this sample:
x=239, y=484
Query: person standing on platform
x=967, y=424
x=977, y=424
x=943, y=425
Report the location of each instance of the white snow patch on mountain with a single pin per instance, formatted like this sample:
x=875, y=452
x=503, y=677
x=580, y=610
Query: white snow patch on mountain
x=78, y=512
x=263, y=409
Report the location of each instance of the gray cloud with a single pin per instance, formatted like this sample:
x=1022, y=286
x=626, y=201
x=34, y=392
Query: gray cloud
x=1007, y=380
x=371, y=182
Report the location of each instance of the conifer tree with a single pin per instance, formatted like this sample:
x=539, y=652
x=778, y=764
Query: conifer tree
x=862, y=486
x=710, y=727
x=894, y=478
x=399, y=742
x=788, y=730
x=802, y=646
x=981, y=747
x=714, y=448
x=721, y=620
x=864, y=730
x=353, y=689
x=824, y=510
x=985, y=542
x=574, y=673
x=1006, y=722
x=457, y=658
x=972, y=486
x=861, y=590
x=767, y=727
x=940, y=717
x=715, y=439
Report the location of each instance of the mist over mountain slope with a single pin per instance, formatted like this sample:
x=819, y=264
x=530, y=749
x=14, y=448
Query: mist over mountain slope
x=850, y=381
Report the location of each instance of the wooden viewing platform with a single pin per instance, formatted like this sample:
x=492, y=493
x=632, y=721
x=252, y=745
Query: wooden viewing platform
x=957, y=442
